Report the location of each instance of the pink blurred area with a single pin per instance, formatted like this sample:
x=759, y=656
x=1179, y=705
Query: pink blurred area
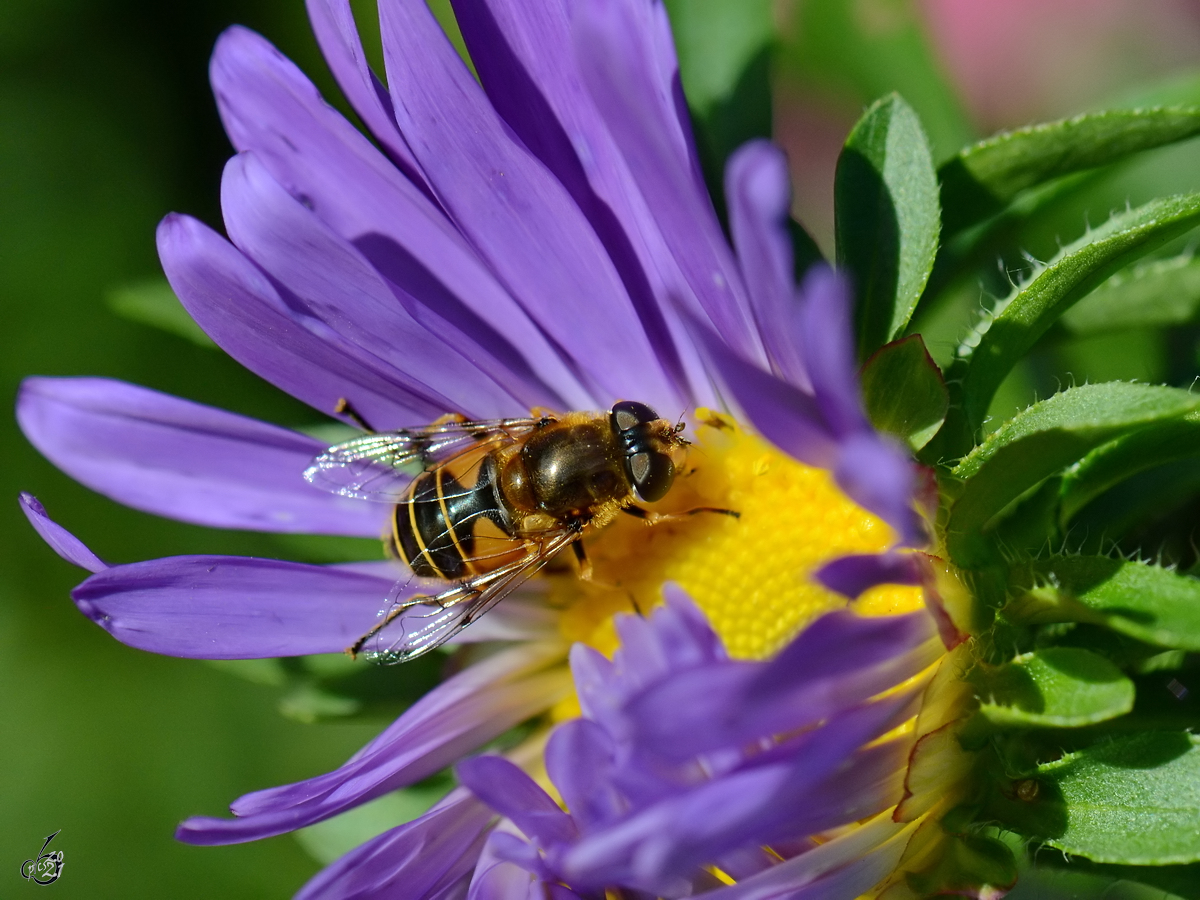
x=1017, y=61
x=1010, y=62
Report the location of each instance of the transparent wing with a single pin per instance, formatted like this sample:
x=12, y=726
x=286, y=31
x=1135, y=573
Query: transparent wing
x=381, y=466
x=412, y=627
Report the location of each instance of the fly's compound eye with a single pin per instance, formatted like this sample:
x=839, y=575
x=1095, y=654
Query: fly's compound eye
x=642, y=434
x=652, y=474
x=629, y=414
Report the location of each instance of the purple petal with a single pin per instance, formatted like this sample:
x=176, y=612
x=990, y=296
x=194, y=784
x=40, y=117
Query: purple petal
x=333, y=24
x=852, y=575
x=827, y=347
x=580, y=757
x=513, y=794
x=784, y=415
x=525, y=59
x=838, y=661
x=878, y=475
x=331, y=281
x=270, y=107
x=456, y=717
x=238, y=308
x=232, y=607
x=621, y=56
x=592, y=674
x=61, y=541
x=180, y=459
x=840, y=643
x=515, y=213
x=498, y=878
x=758, y=189
x=419, y=859
x=822, y=782
x=840, y=869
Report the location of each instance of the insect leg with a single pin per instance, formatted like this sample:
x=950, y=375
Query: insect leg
x=585, y=564
x=345, y=408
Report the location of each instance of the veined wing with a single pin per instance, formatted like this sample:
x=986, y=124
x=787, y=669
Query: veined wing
x=381, y=466
x=425, y=623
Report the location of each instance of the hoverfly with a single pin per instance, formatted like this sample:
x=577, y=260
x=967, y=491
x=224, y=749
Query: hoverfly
x=486, y=504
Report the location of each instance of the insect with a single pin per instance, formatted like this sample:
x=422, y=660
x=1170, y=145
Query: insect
x=486, y=504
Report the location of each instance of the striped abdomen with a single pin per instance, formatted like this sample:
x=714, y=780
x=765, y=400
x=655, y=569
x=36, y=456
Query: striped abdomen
x=437, y=529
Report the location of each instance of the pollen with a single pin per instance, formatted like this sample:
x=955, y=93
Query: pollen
x=750, y=574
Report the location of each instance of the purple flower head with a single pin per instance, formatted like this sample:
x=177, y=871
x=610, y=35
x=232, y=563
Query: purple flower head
x=686, y=759
x=540, y=237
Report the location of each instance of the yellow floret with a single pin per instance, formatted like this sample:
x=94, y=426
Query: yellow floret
x=750, y=575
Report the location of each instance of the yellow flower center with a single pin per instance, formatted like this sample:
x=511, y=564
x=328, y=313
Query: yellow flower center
x=751, y=575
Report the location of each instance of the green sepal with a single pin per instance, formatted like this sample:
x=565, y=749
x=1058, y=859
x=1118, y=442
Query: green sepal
x=968, y=865
x=153, y=303
x=1117, y=460
x=335, y=837
x=1039, y=442
x=1154, y=293
x=1131, y=800
x=904, y=392
x=1054, y=687
x=982, y=179
x=1010, y=329
x=724, y=52
x=1143, y=601
x=886, y=218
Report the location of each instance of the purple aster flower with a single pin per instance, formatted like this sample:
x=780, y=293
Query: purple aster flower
x=686, y=762
x=539, y=238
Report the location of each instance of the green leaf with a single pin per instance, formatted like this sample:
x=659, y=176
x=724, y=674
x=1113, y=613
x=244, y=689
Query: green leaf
x=1134, y=800
x=1176, y=881
x=886, y=218
x=1117, y=460
x=984, y=178
x=153, y=303
x=904, y=392
x=1039, y=442
x=1010, y=329
x=725, y=49
x=1056, y=687
x=1158, y=292
x=1143, y=601
x=856, y=52
x=335, y=837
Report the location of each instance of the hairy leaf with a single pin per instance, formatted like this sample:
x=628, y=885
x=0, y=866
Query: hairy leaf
x=886, y=218
x=1133, y=800
x=1012, y=327
x=984, y=178
x=1041, y=441
x=1056, y=687
x=1144, y=601
x=1112, y=463
x=1158, y=292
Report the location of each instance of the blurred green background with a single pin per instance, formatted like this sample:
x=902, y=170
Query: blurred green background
x=106, y=124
